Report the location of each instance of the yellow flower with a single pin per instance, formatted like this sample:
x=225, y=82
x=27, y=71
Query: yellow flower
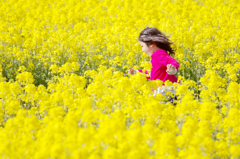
x=54, y=68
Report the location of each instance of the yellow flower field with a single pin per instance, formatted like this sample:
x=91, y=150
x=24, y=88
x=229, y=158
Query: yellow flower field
x=64, y=92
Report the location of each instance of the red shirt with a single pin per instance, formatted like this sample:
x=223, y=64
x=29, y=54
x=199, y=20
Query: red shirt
x=160, y=59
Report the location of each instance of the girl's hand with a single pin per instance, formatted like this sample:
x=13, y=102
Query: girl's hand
x=132, y=71
x=171, y=70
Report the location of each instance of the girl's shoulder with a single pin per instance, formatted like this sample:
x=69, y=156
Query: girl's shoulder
x=160, y=53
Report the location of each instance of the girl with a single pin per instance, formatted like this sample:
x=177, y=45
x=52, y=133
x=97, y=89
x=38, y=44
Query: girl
x=156, y=45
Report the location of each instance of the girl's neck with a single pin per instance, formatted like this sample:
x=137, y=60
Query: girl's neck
x=154, y=49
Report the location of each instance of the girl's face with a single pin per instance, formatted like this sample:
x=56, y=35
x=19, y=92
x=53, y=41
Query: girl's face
x=147, y=49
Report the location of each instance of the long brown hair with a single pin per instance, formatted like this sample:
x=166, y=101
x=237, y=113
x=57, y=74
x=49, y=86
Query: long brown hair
x=152, y=35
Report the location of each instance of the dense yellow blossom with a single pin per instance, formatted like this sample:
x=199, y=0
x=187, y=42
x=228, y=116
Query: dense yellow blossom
x=64, y=92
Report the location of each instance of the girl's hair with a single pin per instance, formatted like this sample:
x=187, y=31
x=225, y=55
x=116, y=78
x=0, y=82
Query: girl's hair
x=153, y=35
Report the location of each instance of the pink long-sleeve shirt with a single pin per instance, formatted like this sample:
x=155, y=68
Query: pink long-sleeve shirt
x=160, y=59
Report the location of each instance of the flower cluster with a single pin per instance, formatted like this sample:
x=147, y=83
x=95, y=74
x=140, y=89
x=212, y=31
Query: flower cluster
x=64, y=92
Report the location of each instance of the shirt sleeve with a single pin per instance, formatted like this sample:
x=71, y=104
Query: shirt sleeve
x=173, y=62
x=146, y=72
x=173, y=72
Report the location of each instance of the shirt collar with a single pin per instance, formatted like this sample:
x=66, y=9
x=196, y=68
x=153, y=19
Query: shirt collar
x=160, y=51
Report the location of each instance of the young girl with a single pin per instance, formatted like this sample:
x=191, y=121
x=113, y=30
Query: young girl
x=156, y=45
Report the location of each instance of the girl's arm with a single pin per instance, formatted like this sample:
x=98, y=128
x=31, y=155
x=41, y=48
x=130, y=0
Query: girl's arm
x=172, y=66
x=171, y=70
x=173, y=62
x=146, y=72
x=132, y=72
